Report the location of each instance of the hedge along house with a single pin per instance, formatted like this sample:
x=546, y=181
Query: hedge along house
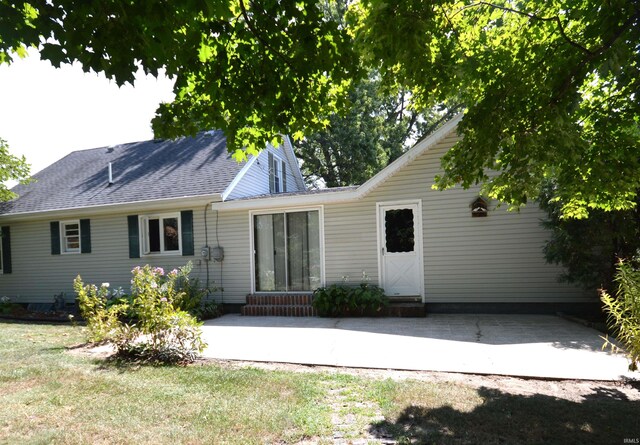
x=275, y=242
x=101, y=212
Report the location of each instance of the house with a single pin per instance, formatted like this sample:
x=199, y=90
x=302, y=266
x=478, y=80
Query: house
x=253, y=229
x=101, y=212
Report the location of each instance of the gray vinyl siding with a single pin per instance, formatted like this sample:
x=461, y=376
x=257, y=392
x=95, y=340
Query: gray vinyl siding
x=256, y=179
x=233, y=275
x=493, y=259
x=38, y=275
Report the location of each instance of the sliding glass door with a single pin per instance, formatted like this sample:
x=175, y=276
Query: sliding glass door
x=287, y=251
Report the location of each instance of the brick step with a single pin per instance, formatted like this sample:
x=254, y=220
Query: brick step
x=280, y=300
x=406, y=310
x=279, y=310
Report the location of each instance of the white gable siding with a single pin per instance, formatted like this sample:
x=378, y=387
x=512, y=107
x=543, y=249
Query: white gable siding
x=255, y=180
x=494, y=259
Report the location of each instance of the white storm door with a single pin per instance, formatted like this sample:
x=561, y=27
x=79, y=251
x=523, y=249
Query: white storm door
x=400, y=233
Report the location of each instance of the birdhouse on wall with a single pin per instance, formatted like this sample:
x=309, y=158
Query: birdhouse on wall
x=479, y=208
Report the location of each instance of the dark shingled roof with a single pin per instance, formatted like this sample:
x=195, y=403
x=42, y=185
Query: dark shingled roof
x=142, y=171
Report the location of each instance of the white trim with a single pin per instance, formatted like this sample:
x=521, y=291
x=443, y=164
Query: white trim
x=293, y=200
x=143, y=224
x=63, y=237
x=296, y=167
x=320, y=210
x=238, y=177
x=346, y=195
x=419, y=236
x=415, y=151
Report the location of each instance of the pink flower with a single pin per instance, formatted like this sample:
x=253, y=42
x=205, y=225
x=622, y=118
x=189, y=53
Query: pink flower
x=159, y=270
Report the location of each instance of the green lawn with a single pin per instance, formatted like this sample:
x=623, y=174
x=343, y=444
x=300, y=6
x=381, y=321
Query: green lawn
x=52, y=396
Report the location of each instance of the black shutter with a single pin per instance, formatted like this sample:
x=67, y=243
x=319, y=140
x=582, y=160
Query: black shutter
x=85, y=236
x=134, y=236
x=272, y=179
x=284, y=176
x=186, y=223
x=6, y=250
x=55, y=237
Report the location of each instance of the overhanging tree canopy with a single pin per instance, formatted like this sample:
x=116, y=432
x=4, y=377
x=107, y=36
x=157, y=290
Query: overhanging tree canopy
x=551, y=87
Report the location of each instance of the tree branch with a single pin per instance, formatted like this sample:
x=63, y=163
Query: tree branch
x=591, y=56
x=533, y=17
x=260, y=39
x=451, y=111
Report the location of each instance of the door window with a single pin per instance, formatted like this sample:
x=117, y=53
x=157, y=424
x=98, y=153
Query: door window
x=398, y=229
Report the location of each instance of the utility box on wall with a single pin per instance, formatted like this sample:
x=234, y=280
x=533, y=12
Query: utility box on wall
x=217, y=254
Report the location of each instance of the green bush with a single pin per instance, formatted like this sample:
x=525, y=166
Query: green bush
x=5, y=305
x=103, y=320
x=624, y=312
x=340, y=300
x=149, y=324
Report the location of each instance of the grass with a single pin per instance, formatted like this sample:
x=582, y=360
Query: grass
x=52, y=396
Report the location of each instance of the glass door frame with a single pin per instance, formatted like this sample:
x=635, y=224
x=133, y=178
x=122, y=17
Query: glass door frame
x=252, y=249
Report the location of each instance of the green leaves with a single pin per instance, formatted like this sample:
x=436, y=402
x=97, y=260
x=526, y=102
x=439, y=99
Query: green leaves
x=551, y=87
x=12, y=168
x=624, y=312
x=527, y=73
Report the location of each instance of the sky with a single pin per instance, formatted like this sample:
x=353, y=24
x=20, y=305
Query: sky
x=47, y=112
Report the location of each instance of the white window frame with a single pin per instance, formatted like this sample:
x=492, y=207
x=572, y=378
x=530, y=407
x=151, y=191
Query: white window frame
x=64, y=249
x=252, y=256
x=278, y=180
x=143, y=221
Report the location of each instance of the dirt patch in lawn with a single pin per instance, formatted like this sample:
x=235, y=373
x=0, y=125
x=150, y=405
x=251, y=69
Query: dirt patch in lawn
x=572, y=390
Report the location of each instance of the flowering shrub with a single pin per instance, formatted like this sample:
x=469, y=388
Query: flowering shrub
x=150, y=323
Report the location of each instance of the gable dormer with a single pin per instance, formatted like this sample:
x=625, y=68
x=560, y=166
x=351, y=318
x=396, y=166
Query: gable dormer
x=275, y=170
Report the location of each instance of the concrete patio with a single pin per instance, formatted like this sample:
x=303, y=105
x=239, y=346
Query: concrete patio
x=542, y=346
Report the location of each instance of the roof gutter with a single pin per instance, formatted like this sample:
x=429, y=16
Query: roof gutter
x=276, y=201
x=128, y=207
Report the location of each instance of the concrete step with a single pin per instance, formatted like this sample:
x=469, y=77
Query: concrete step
x=279, y=310
x=284, y=300
x=413, y=310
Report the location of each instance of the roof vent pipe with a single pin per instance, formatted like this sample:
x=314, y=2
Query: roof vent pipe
x=110, y=174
